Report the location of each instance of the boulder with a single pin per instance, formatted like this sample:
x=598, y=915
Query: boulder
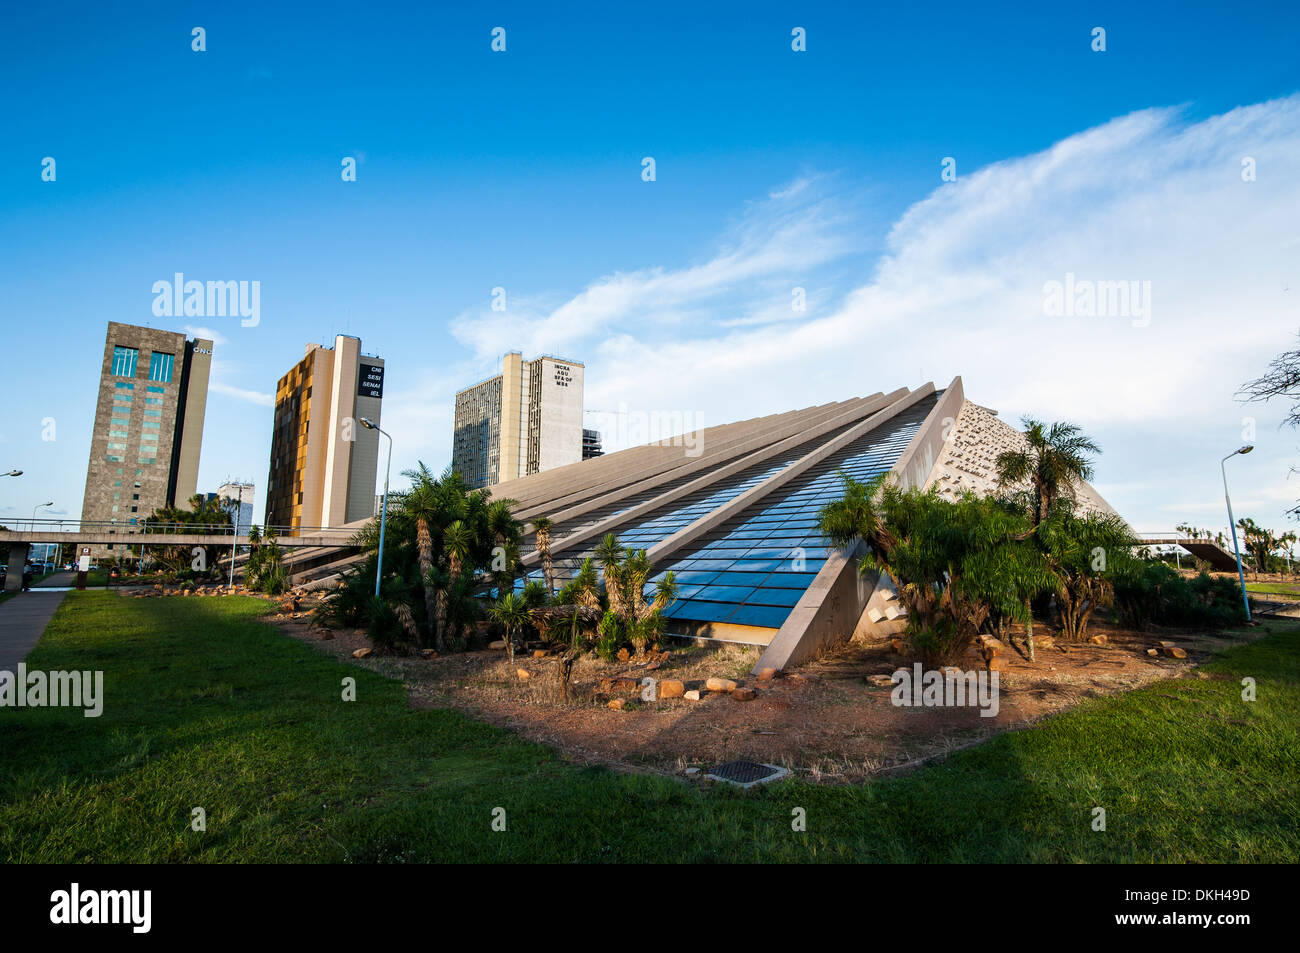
x=1174, y=651
x=618, y=683
x=539, y=653
x=524, y=674
x=1098, y=640
x=720, y=685
x=428, y=653
x=498, y=644
x=671, y=688
x=617, y=703
x=881, y=681
x=744, y=694
x=693, y=695
x=767, y=674
x=1153, y=652
x=362, y=653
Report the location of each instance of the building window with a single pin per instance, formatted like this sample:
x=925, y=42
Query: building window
x=123, y=386
x=160, y=367
x=124, y=361
x=155, y=390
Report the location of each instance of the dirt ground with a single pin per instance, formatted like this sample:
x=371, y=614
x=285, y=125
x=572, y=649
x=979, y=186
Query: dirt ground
x=824, y=721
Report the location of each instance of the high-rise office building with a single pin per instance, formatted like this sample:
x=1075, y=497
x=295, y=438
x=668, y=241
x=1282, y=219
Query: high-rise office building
x=242, y=496
x=323, y=461
x=525, y=420
x=144, y=451
x=591, y=444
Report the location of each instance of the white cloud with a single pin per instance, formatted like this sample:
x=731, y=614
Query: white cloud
x=1150, y=197
x=241, y=393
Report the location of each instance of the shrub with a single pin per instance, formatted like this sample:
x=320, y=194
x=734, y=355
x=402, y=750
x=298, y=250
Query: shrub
x=1153, y=594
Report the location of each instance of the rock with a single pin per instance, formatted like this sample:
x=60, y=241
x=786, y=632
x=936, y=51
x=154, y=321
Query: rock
x=767, y=674
x=524, y=674
x=671, y=688
x=898, y=646
x=996, y=664
x=618, y=683
x=1153, y=652
x=744, y=694
x=1098, y=640
x=428, y=653
x=952, y=671
x=1174, y=651
x=690, y=771
x=693, y=695
x=326, y=636
x=498, y=644
x=881, y=681
x=1044, y=641
x=539, y=653
x=1165, y=645
x=720, y=685
x=663, y=657
x=990, y=644
x=617, y=703
x=361, y=653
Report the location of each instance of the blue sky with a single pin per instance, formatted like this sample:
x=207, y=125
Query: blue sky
x=775, y=169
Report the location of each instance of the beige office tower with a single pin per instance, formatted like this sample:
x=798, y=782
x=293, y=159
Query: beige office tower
x=323, y=461
x=144, y=451
x=525, y=420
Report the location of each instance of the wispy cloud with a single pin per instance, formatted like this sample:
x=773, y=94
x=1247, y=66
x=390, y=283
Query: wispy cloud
x=1149, y=197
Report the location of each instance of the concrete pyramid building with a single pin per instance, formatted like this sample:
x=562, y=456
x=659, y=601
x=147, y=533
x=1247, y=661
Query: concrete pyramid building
x=732, y=511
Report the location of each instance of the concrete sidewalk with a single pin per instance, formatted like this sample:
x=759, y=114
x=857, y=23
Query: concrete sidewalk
x=23, y=619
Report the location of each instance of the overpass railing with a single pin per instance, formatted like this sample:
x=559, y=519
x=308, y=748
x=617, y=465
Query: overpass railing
x=118, y=528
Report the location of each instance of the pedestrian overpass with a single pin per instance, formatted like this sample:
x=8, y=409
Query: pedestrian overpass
x=1207, y=549
x=22, y=534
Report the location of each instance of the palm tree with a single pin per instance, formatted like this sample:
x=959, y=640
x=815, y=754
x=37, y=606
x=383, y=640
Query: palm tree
x=1056, y=459
x=610, y=555
x=512, y=614
x=542, y=529
x=457, y=545
x=433, y=503
x=586, y=585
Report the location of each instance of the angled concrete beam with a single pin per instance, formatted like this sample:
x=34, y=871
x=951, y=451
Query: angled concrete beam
x=831, y=609
x=752, y=446
x=877, y=410
x=694, y=531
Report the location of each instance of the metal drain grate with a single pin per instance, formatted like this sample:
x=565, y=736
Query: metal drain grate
x=746, y=774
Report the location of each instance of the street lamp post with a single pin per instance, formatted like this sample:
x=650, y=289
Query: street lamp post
x=34, y=509
x=13, y=473
x=383, y=510
x=1241, y=575
x=234, y=542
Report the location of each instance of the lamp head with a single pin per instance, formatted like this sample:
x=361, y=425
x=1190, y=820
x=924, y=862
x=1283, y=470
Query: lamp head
x=1247, y=448
x=367, y=424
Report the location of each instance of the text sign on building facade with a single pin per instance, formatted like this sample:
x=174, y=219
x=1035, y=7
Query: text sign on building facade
x=370, y=381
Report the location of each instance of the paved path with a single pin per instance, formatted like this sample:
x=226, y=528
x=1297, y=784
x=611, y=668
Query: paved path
x=57, y=579
x=23, y=619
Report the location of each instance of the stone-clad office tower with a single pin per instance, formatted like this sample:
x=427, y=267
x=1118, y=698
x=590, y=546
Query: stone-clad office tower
x=144, y=450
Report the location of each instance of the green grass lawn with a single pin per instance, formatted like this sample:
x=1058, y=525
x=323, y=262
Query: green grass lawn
x=1274, y=588
x=207, y=706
